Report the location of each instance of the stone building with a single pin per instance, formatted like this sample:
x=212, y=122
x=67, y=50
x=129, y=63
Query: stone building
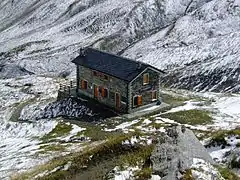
x=119, y=83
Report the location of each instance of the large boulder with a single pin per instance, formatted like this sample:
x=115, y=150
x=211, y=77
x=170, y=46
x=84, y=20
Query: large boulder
x=175, y=152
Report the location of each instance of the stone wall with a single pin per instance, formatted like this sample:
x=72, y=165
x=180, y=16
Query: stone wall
x=112, y=84
x=138, y=88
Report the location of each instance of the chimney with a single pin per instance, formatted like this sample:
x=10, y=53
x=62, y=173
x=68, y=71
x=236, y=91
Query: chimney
x=139, y=65
x=82, y=52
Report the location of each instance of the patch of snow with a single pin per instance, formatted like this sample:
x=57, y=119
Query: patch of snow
x=204, y=171
x=228, y=105
x=146, y=122
x=126, y=174
x=189, y=105
x=155, y=177
x=151, y=108
x=122, y=126
x=75, y=130
x=217, y=153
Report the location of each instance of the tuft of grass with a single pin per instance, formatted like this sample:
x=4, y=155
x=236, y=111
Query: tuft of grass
x=51, y=148
x=191, y=117
x=173, y=100
x=188, y=175
x=136, y=157
x=157, y=125
x=61, y=129
x=97, y=134
x=218, y=137
x=227, y=174
x=144, y=173
x=235, y=163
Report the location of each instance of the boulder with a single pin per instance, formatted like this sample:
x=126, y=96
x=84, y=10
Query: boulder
x=175, y=151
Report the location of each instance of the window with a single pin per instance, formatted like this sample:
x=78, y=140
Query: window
x=84, y=84
x=104, y=92
x=145, y=78
x=137, y=100
x=100, y=75
x=154, y=95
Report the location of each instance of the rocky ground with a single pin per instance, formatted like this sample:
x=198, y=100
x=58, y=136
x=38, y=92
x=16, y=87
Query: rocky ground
x=29, y=139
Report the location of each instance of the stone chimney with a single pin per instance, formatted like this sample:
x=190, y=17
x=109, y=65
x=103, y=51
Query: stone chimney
x=139, y=65
x=82, y=52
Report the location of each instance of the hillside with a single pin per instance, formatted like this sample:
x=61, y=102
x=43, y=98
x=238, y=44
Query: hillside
x=195, y=41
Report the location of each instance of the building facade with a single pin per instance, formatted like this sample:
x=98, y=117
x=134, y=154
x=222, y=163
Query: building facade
x=119, y=83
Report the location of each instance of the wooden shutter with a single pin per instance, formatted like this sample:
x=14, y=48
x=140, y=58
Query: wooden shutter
x=82, y=84
x=139, y=100
x=103, y=92
x=95, y=91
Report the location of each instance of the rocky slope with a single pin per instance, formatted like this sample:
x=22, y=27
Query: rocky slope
x=195, y=41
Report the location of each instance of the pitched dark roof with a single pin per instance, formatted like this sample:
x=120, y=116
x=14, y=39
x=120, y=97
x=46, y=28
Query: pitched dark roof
x=113, y=65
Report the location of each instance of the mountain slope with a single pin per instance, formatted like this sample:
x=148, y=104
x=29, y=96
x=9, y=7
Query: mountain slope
x=195, y=41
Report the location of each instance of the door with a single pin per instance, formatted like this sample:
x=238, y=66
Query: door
x=95, y=91
x=117, y=100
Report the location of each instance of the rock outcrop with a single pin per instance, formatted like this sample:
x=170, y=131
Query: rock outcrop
x=175, y=151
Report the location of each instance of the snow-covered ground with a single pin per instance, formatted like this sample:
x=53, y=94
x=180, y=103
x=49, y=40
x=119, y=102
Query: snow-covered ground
x=195, y=41
x=20, y=140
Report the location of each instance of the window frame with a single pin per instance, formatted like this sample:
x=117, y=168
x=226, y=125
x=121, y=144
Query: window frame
x=135, y=105
x=154, y=91
x=146, y=74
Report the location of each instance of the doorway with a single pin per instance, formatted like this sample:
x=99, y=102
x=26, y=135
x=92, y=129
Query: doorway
x=117, y=100
x=95, y=91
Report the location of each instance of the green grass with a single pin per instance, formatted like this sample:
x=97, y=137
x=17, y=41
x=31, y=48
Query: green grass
x=188, y=175
x=96, y=132
x=80, y=161
x=61, y=129
x=235, y=162
x=144, y=173
x=51, y=147
x=191, y=117
x=173, y=100
x=134, y=158
x=228, y=174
